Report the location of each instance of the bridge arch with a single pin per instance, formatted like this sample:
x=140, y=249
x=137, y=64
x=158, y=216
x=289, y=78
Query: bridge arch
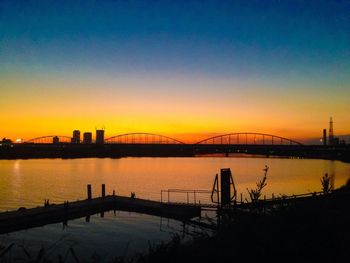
x=142, y=138
x=249, y=138
x=50, y=139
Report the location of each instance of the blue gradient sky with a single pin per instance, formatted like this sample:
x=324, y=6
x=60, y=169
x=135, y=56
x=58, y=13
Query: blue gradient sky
x=207, y=66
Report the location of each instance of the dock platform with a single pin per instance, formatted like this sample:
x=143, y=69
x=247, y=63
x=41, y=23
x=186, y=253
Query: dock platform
x=55, y=213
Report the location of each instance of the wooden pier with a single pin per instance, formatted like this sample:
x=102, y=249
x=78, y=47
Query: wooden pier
x=56, y=213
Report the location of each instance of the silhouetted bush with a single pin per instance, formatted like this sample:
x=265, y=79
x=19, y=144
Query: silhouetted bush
x=255, y=194
x=327, y=182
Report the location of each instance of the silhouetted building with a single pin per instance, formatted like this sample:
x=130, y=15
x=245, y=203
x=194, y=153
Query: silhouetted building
x=100, y=136
x=331, y=134
x=56, y=140
x=325, y=137
x=87, y=137
x=76, y=136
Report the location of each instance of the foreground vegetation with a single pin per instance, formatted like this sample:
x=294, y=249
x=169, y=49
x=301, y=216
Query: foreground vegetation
x=313, y=229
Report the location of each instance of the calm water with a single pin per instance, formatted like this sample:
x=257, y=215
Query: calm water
x=28, y=182
x=100, y=240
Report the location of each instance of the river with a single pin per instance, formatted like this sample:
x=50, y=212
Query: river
x=27, y=183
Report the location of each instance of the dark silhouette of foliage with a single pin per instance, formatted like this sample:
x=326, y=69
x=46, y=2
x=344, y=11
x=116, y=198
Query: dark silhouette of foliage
x=327, y=183
x=6, y=140
x=255, y=194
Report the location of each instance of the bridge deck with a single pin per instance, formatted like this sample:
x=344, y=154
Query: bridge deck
x=56, y=213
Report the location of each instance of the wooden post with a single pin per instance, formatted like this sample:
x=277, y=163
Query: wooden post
x=89, y=192
x=241, y=198
x=103, y=190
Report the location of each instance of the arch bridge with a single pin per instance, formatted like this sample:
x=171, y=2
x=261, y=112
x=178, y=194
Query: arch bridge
x=248, y=138
x=241, y=138
x=141, y=138
x=50, y=139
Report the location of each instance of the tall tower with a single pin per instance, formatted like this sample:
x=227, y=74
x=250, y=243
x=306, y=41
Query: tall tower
x=331, y=134
x=76, y=136
x=87, y=137
x=100, y=136
x=324, y=137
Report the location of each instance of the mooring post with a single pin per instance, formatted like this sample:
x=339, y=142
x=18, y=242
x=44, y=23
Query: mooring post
x=225, y=185
x=103, y=190
x=89, y=192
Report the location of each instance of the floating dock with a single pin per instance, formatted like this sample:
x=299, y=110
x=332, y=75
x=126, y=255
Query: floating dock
x=56, y=213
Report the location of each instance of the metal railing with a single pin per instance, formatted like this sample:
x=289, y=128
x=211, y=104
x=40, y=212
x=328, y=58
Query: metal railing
x=190, y=197
x=203, y=198
x=292, y=197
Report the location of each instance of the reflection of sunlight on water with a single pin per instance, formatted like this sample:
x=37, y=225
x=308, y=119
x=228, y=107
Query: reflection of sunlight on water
x=28, y=182
x=16, y=167
x=16, y=179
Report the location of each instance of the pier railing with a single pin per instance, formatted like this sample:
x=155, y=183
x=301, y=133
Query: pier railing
x=190, y=197
x=292, y=197
x=203, y=198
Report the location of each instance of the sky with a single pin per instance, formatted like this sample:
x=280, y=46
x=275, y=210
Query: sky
x=188, y=69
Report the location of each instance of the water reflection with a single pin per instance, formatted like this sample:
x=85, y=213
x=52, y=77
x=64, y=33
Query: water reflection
x=127, y=233
x=29, y=182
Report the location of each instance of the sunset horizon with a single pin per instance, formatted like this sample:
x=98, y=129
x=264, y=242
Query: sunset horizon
x=275, y=68
x=174, y=131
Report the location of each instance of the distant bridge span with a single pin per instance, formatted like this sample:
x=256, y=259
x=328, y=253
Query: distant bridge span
x=142, y=138
x=245, y=138
x=240, y=138
x=155, y=145
x=49, y=139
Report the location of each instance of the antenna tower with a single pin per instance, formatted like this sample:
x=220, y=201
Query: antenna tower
x=331, y=134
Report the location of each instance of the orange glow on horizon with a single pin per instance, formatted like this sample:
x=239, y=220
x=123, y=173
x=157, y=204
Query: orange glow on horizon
x=34, y=107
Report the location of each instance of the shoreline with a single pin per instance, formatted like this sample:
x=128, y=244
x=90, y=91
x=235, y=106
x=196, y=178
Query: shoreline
x=257, y=156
